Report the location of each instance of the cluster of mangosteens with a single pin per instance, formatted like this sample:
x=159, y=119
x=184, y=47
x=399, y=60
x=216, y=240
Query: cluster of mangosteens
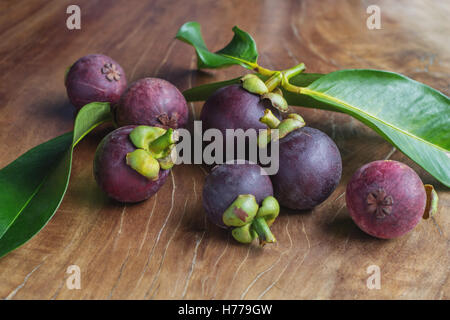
x=386, y=199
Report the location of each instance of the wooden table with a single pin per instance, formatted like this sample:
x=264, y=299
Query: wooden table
x=164, y=248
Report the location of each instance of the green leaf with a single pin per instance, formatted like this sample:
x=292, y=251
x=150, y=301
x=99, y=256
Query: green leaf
x=241, y=50
x=34, y=185
x=412, y=116
x=202, y=92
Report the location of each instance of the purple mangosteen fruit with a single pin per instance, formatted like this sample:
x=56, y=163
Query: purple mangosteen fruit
x=95, y=78
x=386, y=198
x=152, y=102
x=233, y=107
x=310, y=164
x=132, y=163
x=310, y=169
x=239, y=196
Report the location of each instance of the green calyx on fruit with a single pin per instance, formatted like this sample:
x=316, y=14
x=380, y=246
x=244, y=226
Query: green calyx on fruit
x=169, y=160
x=431, y=206
x=277, y=101
x=155, y=150
x=269, y=119
x=141, y=161
x=141, y=136
x=161, y=146
x=252, y=83
x=278, y=129
x=251, y=221
x=241, y=212
x=270, y=89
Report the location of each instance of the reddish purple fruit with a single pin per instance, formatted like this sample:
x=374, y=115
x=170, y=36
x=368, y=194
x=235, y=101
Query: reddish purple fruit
x=386, y=199
x=95, y=78
x=226, y=182
x=233, y=107
x=310, y=169
x=152, y=102
x=115, y=177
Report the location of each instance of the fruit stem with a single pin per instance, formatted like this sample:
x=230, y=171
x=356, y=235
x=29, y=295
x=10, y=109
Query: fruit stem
x=291, y=88
x=163, y=143
x=264, y=71
x=262, y=229
x=252, y=65
x=292, y=72
x=274, y=81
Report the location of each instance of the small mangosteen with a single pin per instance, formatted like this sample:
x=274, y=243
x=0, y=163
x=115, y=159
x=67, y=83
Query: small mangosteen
x=387, y=199
x=95, y=78
x=238, y=196
x=152, y=102
x=132, y=162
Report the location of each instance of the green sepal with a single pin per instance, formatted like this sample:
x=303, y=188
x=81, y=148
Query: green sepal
x=244, y=234
x=142, y=136
x=250, y=220
x=252, y=83
x=269, y=119
x=292, y=122
x=288, y=125
x=142, y=161
x=277, y=101
x=269, y=210
x=168, y=161
x=241, y=211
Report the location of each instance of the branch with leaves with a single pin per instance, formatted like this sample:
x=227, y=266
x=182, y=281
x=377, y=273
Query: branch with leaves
x=415, y=118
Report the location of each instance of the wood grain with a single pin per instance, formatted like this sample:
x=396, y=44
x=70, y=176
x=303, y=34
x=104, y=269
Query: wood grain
x=164, y=248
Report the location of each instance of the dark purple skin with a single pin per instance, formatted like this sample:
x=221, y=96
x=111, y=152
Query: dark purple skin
x=310, y=169
x=226, y=182
x=87, y=81
x=118, y=180
x=386, y=218
x=233, y=107
x=152, y=102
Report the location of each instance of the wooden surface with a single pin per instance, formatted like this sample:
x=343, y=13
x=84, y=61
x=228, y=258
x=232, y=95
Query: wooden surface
x=164, y=248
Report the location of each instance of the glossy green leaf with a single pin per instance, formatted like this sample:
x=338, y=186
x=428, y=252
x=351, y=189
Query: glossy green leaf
x=412, y=116
x=34, y=185
x=241, y=50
